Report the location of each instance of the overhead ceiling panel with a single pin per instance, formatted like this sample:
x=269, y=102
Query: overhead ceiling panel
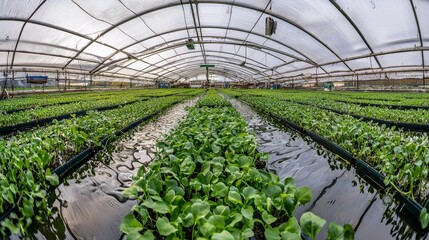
x=387, y=25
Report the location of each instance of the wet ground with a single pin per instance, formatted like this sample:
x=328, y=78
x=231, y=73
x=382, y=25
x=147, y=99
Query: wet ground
x=339, y=194
x=91, y=206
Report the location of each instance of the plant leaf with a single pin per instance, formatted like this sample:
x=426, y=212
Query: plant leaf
x=130, y=223
x=335, y=232
x=224, y=235
x=424, y=218
x=268, y=218
x=311, y=224
x=164, y=227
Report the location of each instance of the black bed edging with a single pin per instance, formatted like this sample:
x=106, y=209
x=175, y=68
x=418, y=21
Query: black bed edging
x=406, y=126
x=84, y=156
x=399, y=107
x=81, y=158
x=410, y=205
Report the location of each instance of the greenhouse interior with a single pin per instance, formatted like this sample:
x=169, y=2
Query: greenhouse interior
x=214, y=119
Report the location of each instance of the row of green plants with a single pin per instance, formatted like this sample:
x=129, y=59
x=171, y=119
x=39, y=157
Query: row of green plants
x=56, y=110
x=405, y=99
x=209, y=182
x=419, y=116
x=212, y=99
x=401, y=157
x=41, y=100
x=402, y=98
x=27, y=159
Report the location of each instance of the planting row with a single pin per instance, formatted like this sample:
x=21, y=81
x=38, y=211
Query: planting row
x=383, y=99
x=40, y=100
x=418, y=116
x=402, y=158
x=212, y=99
x=55, y=110
x=209, y=182
x=27, y=159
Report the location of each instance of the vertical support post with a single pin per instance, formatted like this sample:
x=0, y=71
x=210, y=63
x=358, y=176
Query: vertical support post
x=317, y=75
x=357, y=81
x=58, y=80
x=65, y=81
x=207, y=77
x=13, y=81
x=317, y=80
x=424, y=79
x=90, y=81
x=84, y=81
x=131, y=83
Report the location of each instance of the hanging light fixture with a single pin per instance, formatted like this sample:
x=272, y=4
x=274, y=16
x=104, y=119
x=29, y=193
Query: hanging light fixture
x=270, y=26
x=190, y=44
x=245, y=57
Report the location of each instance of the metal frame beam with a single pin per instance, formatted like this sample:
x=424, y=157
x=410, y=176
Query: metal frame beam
x=249, y=7
x=250, y=70
x=418, y=30
x=217, y=52
x=212, y=27
x=195, y=71
x=179, y=43
x=370, y=55
x=22, y=30
x=355, y=28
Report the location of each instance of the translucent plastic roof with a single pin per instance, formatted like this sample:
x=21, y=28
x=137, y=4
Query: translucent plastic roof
x=146, y=39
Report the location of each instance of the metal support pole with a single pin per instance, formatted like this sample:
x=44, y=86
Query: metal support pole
x=207, y=77
x=357, y=81
x=65, y=81
x=13, y=81
x=58, y=80
x=90, y=81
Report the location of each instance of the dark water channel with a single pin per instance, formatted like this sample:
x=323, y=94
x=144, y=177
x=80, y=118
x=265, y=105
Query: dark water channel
x=91, y=205
x=339, y=194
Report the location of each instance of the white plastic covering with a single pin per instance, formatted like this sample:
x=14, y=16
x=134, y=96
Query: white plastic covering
x=146, y=39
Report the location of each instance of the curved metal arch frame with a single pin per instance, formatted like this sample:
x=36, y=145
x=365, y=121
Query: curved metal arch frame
x=216, y=52
x=193, y=71
x=251, y=69
x=179, y=43
x=213, y=2
x=187, y=58
x=225, y=65
x=423, y=49
x=62, y=30
x=212, y=59
x=355, y=27
x=88, y=38
x=208, y=27
x=413, y=68
x=44, y=68
x=49, y=54
x=221, y=64
x=416, y=18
